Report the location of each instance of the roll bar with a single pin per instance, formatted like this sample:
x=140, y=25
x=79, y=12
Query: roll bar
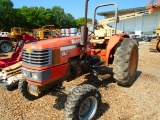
x=84, y=28
x=115, y=16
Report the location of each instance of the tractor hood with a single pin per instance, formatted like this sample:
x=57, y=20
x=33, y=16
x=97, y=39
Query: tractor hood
x=53, y=43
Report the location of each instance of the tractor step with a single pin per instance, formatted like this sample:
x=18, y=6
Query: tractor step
x=96, y=68
x=7, y=86
x=103, y=77
x=101, y=71
x=99, y=75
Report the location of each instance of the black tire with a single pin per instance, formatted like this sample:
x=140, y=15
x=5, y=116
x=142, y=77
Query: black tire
x=125, y=62
x=5, y=46
x=158, y=46
x=23, y=88
x=75, y=103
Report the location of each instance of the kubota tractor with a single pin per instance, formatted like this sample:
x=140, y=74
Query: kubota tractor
x=48, y=63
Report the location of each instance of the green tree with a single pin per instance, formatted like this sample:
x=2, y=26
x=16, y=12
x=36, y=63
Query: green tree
x=6, y=14
x=69, y=21
x=80, y=21
x=35, y=17
x=19, y=20
x=58, y=16
x=60, y=19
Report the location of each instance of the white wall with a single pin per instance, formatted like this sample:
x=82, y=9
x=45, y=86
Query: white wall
x=149, y=23
x=138, y=27
x=145, y=24
x=129, y=25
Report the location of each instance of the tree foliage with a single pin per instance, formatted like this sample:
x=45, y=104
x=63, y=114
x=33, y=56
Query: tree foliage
x=35, y=17
x=6, y=12
x=80, y=21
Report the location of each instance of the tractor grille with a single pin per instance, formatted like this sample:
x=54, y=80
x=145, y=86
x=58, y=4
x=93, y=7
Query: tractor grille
x=37, y=58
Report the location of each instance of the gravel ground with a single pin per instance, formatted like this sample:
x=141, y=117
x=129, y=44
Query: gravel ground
x=141, y=101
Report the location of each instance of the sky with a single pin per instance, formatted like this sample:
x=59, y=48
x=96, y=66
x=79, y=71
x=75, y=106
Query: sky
x=76, y=7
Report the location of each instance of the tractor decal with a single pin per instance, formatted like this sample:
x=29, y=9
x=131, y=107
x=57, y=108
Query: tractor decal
x=75, y=41
x=68, y=47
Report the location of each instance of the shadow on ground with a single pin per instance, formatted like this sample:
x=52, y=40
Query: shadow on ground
x=138, y=74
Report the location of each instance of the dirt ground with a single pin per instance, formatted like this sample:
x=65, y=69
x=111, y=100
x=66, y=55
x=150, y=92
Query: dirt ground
x=141, y=101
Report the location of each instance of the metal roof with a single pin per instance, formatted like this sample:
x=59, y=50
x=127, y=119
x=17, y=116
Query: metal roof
x=122, y=12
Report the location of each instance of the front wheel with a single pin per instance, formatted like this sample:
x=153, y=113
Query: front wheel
x=23, y=88
x=126, y=62
x=83, y=103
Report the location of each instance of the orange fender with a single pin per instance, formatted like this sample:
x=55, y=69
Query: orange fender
x=111, y=44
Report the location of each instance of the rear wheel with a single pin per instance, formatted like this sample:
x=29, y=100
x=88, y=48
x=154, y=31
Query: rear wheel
x=126, y=62
x=83, y=103
x=5, y=46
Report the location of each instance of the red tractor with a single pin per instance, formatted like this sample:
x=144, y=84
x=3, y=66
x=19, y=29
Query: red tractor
x=48, y=63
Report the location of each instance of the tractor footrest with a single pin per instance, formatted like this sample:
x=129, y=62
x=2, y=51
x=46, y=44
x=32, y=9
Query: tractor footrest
x=103, y=77
x=95, y=69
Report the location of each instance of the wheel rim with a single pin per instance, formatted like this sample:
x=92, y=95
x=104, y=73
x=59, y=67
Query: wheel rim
x=5, y=47
x=88, y=108
x=133, y=62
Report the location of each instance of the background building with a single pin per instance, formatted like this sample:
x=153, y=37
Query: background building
x=138, y=21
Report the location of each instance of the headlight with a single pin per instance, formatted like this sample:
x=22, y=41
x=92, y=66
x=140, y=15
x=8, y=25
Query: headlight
x=24, y=73
x=32, y=87
x=34, y=76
